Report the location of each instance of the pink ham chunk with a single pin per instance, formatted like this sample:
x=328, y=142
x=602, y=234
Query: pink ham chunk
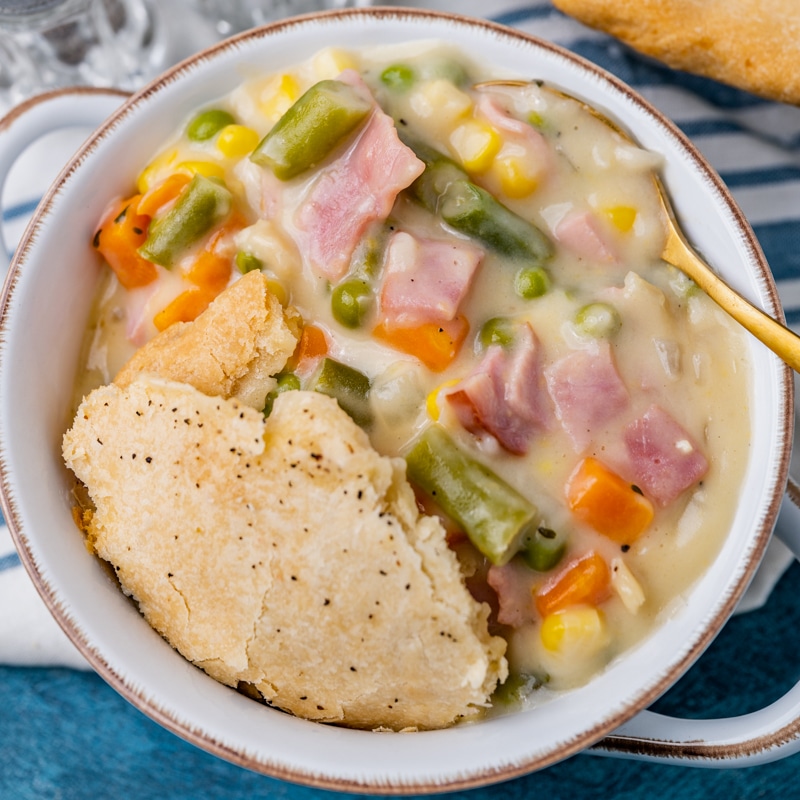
x=580, y=232
x=664, y=459
x=517, y=133
x=587, y=391
x=138, y=314
x=358, y=188
x=513, y=584
x=505, y=396
x=425, y=280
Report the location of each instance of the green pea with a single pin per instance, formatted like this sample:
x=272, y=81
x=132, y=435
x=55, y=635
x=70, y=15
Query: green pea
x=497, y=330
x=286, y=382
x=351, y=301
x=208, y=123
x=398, y=77
x=247, y=262
x=531, y=282
x=599, y=320
x=536, y=119
x=543, y=549
x=449, y=69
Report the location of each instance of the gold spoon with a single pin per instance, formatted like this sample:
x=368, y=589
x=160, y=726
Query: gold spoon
x=680, y=254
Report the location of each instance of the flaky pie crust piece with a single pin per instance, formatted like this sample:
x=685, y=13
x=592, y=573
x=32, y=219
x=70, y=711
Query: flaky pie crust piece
x=283, y=553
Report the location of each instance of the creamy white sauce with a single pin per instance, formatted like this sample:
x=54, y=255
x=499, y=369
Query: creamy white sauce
x=674, y=347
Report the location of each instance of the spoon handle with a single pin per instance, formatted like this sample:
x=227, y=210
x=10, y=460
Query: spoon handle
x=777, y=337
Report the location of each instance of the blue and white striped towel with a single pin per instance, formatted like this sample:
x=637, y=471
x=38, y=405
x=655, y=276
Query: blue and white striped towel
x=753, y=144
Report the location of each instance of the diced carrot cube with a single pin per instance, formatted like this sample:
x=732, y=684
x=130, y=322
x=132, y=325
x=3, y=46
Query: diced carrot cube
x=312, y=346
x=162, y=193
x=210, y=271
x=186, y=307
x=434, y=344
x=121, y=232
x=586, y=580
x=610, y=505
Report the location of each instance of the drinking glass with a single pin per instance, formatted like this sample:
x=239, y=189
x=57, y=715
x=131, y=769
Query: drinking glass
x=232, y=16
x=47, y=44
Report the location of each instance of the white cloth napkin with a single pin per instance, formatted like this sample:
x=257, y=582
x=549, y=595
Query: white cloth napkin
x=755, y=145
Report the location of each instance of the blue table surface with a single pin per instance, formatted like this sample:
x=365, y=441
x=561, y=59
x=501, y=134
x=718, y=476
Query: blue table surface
x=66, y=734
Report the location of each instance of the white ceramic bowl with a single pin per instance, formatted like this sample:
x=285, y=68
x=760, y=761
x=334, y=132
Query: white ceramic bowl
x=45, y=306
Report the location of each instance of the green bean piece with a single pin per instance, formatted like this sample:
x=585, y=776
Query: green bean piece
x=247, y=262
x=320, y=119
x=531, y=282
x=351, y=301
x=286, y=382
x=208, y=124
x=543, y=548
x=599, y=320
x=445, y=189
x=348, y=386
x=398, y=77
x=202, y=204
x=440, y=172
x=471, y=210
x=495, y=517
x=497, y=330
x=367, y=258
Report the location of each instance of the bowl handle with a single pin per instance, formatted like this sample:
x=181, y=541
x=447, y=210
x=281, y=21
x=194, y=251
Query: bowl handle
x=747, y=740
x=72, y=107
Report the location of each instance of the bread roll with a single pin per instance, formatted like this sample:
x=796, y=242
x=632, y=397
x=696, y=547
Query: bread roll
x=751, y=44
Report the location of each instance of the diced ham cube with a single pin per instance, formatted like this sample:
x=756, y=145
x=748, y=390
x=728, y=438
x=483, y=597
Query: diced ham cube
x=517, y=132
x=425, y=280
x=587, y=391
x=664, y=458
x=581, y=234
x=491, y=106
x=505, y=395
x=513, y=584
x=139, y=312
x=358, y=188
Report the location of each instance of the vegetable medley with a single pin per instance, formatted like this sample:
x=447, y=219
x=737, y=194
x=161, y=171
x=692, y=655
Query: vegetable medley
x=473, y=271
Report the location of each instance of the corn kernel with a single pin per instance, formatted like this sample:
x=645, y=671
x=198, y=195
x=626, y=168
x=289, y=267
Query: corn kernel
x=331, y=62
x=440, y=99
x=279, y=96
x=517, y=177
x=476, y=144
x=577, y=629
x=235, y=141
x=209, y=169
x=622, y=217
x=152, y=173
x=432, y=401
